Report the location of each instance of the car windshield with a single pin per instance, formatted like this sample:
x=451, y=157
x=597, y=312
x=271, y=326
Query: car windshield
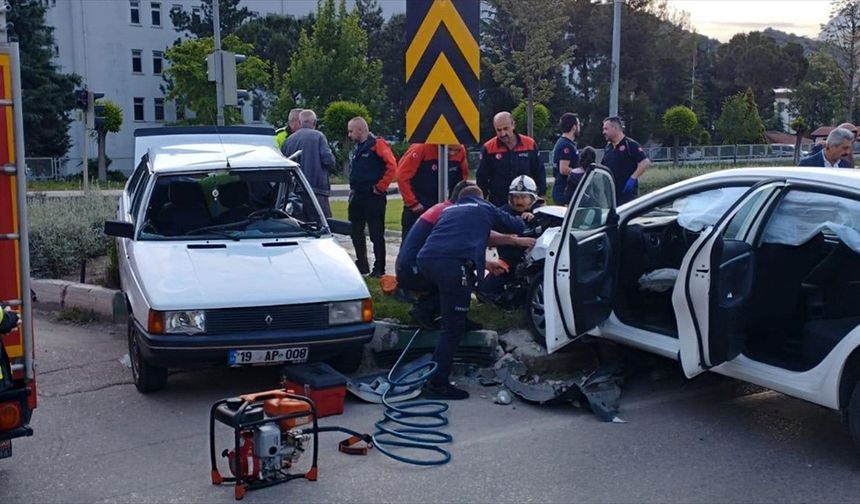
x=230, y=204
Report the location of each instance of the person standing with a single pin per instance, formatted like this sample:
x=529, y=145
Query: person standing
x=418, y=178
x=565, y=157
x=625, y=158
x=453, y=257
x=371, y=170
x=506, y=156
x=293, y=125
x=316, y=159
x=839, y=145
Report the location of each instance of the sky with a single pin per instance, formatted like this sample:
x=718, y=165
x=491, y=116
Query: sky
x=721, y=19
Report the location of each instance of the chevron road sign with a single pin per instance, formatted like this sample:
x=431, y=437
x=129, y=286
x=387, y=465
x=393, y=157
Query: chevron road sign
x=442, y=69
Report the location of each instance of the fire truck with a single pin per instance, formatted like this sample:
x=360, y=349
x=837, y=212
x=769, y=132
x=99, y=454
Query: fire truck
x=17, y=401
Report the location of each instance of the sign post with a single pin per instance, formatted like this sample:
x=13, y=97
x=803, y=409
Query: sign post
x=443, y=62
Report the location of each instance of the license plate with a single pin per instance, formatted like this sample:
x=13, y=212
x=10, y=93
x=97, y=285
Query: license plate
x=274, y=356
x=5, y=448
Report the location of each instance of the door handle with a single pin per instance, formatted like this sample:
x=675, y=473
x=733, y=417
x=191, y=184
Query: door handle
x=702, y=270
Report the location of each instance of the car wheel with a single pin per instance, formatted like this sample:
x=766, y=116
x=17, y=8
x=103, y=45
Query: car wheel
x=348, y=363
x=147, y=378
x=536, y=311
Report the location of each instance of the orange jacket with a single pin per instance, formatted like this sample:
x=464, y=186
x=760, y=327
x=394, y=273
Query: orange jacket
x=418, y=173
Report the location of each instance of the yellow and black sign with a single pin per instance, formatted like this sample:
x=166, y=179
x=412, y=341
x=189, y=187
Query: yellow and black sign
x=443, y=62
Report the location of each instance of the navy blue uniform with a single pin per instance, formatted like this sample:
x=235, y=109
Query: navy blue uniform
x=453, y=258
x=622, y=160
x=564, y=150
x=500, y=165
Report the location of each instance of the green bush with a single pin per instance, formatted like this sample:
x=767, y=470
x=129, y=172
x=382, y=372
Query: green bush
x=112, y=266
x=399, y=149
x=334, y=124
x=541, y=118
x=65, y=230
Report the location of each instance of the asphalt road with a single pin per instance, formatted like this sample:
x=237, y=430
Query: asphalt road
x=707, y=440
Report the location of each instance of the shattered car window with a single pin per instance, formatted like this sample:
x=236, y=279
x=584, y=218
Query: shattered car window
x=698, y=211
x=801, y=215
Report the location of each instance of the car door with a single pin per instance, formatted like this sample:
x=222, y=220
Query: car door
x=580, y=266
x=712, y=300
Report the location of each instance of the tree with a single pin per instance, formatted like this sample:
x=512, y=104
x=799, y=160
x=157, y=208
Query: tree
x=842, y=36
x=390, y=50
x=371, y=21
x=679, y=121
x=48, y=94
x=111, y=124
x=540, y=117
x=800, y=127
x=275, y=39
x=331, y=63
x=334, y=124
x=739, y=122
x=526, y=55
x=187, y=81
x=230, y=15
x=820, y=97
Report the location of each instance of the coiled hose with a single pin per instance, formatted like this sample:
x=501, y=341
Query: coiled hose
x=413, y=424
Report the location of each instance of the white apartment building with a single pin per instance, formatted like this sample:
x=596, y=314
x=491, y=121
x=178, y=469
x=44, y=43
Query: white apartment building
x=117, y=47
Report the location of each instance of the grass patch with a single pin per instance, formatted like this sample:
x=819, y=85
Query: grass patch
x=393, y=210
x=70, y=185
x=76, y=316
x=492, y=317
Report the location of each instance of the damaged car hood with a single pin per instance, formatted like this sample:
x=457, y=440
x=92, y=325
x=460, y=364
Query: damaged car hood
x=183, y=275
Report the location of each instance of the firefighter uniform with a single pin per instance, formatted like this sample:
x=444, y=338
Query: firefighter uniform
x=564, y=150
x=418, y=179
x=453, y=258
x=622, y=160
x=500, y=165
x=372, y=169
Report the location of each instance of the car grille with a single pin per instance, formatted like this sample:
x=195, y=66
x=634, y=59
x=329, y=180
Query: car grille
x=267, y=318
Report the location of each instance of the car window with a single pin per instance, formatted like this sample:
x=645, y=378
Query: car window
x=698, y=210
x=801, y=215
x=740, y=222
x=233, y=204
x=595, y=203
x=135, y=177
x=137, y=197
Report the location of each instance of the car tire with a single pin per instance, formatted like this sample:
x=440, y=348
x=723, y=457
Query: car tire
x=348, y=363
x=147, y=378
x=536, y=311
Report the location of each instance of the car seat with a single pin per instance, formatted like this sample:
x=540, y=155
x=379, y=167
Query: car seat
x=235, y=197
x=185, y=209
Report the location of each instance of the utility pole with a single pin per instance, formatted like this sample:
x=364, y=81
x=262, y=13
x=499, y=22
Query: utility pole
x=616, y=59
x=219, y=75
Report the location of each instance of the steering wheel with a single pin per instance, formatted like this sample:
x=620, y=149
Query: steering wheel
x=265, y=212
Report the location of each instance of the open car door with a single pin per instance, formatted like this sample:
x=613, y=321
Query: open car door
x=579, y=271
x=712, y=296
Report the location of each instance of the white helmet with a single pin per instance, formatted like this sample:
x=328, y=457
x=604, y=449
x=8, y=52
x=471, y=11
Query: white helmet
x=523, y=184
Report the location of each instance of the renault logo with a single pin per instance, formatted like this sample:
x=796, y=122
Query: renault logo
x=268, y=320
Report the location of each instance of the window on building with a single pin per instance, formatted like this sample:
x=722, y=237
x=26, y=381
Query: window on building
x=157, y=62
x=156, y=13
x=135, y=12
x=136, y=61
x=138, y=109
x=159, y=109
x=195, y=14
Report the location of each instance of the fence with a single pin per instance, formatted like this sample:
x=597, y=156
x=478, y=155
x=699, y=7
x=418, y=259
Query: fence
x=44, y=168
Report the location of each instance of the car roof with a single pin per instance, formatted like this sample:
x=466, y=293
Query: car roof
x=836, y=176
x=184, y=149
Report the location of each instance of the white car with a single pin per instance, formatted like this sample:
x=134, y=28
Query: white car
x=751, y=273
x=224, y=257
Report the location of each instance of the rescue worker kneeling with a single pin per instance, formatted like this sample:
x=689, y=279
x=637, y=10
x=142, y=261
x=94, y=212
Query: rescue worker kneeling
x=523, y=200
x=453, y=258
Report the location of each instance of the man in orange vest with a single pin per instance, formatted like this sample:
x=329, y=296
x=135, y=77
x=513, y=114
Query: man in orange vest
x=418, y=178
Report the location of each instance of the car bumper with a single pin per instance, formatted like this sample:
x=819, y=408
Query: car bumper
x=181, y=350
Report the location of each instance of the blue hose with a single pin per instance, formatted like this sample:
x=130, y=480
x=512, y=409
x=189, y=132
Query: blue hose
x=413, y=424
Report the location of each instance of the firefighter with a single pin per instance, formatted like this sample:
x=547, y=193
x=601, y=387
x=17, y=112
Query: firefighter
x=8, y=320
x=523, y=200
x=565, y=157
x=504, y=157
x=453, y=258
x=625, y=158
x=371, y=171
x=418, y=178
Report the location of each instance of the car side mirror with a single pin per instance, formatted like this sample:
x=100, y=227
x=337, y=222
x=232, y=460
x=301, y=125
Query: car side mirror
x=340, y=227
x=119, y=229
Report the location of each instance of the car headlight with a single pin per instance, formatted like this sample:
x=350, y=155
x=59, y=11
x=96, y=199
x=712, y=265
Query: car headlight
x=350, y=312
x=184, y=322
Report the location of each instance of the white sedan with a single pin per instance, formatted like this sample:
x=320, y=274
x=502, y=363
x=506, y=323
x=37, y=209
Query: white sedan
x=751, y=273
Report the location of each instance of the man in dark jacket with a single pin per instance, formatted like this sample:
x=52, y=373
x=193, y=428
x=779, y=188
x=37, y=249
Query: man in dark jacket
x=625, y=158
x=506, y=156
x=316, y=159
x=371, y=171
x=840, y=143
x=453, y=258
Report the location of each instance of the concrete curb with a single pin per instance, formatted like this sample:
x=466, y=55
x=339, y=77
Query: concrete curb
x=107, y=304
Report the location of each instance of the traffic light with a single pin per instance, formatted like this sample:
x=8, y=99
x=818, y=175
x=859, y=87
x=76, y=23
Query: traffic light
x=94, y=111
x=81, y=99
